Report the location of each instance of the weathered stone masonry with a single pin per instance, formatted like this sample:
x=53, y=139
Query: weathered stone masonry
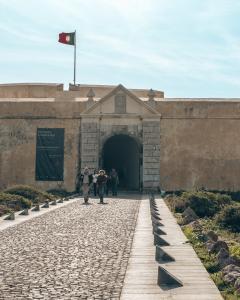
x=182, y=143
x=151, y=153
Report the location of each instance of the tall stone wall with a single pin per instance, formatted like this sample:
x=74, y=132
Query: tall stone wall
x=18, y=152
x=193, y=144
x=198, y=153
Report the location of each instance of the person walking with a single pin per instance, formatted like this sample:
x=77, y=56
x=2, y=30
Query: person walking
x=101, y=182
x=86, y=179
x=114, y=181
x=95, y=175
x=108, y=184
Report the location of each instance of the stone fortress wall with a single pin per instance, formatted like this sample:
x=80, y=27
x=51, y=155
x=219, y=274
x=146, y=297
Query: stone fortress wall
x=196, y=141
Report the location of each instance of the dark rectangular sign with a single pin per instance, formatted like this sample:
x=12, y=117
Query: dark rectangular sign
x=50, y=154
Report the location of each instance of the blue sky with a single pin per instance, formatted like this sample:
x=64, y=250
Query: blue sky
x=187, y=48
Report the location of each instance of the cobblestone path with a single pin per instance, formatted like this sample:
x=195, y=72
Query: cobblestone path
x=75, y=252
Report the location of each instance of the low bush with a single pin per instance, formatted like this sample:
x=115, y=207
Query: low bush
x=235, y=196
x=204, y=204
x=176, y=204
x=4, y=210
x=235, y=251
x=14, y=202
x=30, y=193
x=201, y=202
x=229, y=217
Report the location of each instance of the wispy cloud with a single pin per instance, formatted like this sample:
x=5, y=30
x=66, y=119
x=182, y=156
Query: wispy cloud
x=150, y=42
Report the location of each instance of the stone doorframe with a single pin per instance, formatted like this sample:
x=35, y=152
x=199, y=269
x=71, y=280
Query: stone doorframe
x=93, y=135
x=151, y=153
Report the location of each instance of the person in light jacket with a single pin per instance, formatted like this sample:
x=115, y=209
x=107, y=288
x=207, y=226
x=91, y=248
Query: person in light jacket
x=86, y=180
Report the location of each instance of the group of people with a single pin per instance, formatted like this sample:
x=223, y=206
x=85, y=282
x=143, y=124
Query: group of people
x=100, y=181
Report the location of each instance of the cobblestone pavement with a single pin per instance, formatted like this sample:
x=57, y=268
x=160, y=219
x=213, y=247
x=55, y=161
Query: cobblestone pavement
x=75, y=252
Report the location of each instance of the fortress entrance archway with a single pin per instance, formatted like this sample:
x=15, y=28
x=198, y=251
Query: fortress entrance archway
x=122, y=153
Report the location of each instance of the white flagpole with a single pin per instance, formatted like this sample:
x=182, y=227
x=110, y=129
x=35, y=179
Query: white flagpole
x=75, y=44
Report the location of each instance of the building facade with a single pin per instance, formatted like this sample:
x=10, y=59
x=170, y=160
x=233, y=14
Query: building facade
x=48, y=135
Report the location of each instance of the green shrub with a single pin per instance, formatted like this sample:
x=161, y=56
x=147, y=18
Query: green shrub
x=29, y=192
x=235, y=196
x=229, y=218
x=201, y=202
x=15, y=202
x=176, y=204
x=235, y=251
x=205, y=204
x=179, y=205
x=218, y=279
x=4, y=210
x=212, y=267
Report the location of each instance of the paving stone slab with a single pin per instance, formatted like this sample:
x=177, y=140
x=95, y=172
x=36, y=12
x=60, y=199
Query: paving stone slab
x=70, y=251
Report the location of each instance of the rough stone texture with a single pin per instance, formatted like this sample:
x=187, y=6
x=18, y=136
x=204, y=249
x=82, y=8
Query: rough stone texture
x=189, y=216
x=75, y=252
x=28, y=90
x=231, y=277
x=199, y=148
x=222, y=256
x=89, y=144
x=224, y=259
x=230, y=268
x=18, y=151
x=151, y=153
x=212, y=236
x=237, y=284
x=217, y=246
x=198, y=137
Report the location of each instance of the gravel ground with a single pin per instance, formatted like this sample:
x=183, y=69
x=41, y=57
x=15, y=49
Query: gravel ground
x=75, y=252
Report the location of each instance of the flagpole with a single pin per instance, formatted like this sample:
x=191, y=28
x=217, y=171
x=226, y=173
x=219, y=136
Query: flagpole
x=74, y=72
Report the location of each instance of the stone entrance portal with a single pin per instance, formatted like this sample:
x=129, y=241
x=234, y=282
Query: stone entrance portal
x=122, y=152
x=122, y=132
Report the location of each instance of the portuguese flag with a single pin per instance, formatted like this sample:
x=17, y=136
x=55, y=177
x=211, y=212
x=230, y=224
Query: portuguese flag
x=67, y=38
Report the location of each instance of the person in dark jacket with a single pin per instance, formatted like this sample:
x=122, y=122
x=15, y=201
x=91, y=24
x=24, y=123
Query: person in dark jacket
x=114, y=181
x=101, y=182
x=95, y=175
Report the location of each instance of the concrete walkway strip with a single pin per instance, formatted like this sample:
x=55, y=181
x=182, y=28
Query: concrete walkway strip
x=183, y=278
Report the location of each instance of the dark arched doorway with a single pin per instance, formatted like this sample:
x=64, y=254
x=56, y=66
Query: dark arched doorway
x=122, y=153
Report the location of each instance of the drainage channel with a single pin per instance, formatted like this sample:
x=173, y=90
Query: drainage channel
x=162, y=265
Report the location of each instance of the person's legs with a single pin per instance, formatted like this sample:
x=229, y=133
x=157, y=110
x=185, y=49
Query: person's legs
x=112, y=188
x=101, y=191
x=95, y=189
x=115, y=189
x=85, y=192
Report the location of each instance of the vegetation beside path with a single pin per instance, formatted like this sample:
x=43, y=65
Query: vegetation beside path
x=211, y=222
x=23, y=196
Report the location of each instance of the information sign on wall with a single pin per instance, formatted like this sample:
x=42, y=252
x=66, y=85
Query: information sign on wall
x=50, y=154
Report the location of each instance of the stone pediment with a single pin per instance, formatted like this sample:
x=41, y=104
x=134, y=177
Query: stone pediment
x=120, y=101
